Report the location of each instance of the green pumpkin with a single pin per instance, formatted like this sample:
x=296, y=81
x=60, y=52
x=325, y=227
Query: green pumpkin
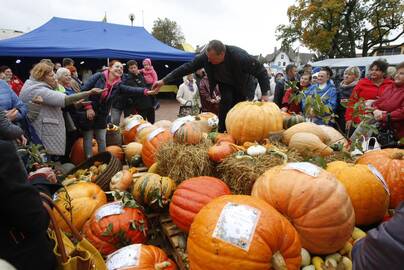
x=136, y=161
x=293, y=120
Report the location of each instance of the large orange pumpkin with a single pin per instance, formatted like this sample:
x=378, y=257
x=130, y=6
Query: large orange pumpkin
x=149, y=258
x=130, y=126
x=143, y=132
x=313, y=200
x=80, y=202
x=250, y=121
x=153, y=143
x=390, y=163
x=266, y=241
x=116, y=151
x=188, y=133
x=77, y=155
x=114, y=226
x=191, y=195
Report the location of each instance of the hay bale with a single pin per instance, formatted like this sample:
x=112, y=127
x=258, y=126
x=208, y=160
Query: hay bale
x=240, y=172
x=180, y=162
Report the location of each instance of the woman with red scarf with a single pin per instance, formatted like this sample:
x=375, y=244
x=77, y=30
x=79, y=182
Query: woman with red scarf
x=13, y=81
x=93, y=119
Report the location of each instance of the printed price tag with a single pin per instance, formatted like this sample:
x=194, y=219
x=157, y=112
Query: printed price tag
x=110, y=209
x=380, y=177
x=132, y=124
x=304, y=167
x=154, y=133
x=142, y=126
x=236, y=225
x=180, y=121
x=125, y=257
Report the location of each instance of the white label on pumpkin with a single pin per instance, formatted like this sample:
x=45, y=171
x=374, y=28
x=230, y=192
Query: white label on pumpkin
x=380, y=177
x=154, y=133
x=124, y=257
x=176, y=126
x=142, y=126
x=236, y=225
x=180, y=121
x=110, y=209
x=132, y=123
x=213, y=121
x=304, y=167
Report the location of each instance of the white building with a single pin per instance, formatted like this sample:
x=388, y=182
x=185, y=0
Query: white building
x=8, y=33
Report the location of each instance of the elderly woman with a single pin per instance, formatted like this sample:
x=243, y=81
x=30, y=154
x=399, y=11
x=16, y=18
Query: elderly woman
x=188, y=93
x=368, y=89
x=64, y=80
x=352, y=76
x=49, y=124
x=93, y=121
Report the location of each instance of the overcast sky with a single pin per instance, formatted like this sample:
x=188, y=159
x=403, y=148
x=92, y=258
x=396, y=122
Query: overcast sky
x=248, y=24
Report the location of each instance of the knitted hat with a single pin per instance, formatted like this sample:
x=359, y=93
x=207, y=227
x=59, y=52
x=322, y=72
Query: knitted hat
x=147, y=61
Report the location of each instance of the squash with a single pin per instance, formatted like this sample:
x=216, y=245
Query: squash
x=292, y=120
x=149, y=258
x=153, y=190
x=253, y=121
x=308, y=144
x=188, y=133
x=83, y=198
x=390, y=163
x=191, y=195
x=157, y=138
x=166, y=124
x=143, y=131
x=153, y=168
x=116, y=151
x=114, y=226
x=269, y=240
x=121, y=181
x=315, y=202
x=218, y=137
x=129, y=128
x=306, y=127
x=132, y=149
x=207, y=121
x=369, y=197
x=77, y=155
x=335, y=136
x=221, y=150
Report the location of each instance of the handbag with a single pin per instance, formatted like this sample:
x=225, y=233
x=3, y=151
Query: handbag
x=385, y=137
x=186, y=109
x=79, y=256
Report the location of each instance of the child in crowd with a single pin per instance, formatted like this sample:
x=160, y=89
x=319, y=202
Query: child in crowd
x=292, y=106
x=150, y=77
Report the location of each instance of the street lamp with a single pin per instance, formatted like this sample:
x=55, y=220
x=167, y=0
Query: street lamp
x=131, y=18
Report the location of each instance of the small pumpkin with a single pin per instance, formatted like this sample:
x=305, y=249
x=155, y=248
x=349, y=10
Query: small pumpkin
x=153, y=143
x=83, y=198
x=221, y=150
x=207, y=121
x=77, y=155
x=153, y=190
x=390, y=163
x=272, y=244
x=129, y=129
x=143, y=131
x=136, y=161
x=188, y=133
x=121, y=181
x=132, y=149
x=314, y=201
x=369, y=198
x=292, y=119
x=166, y=124
x=253, y=121
x=114, y=226
x=308, y=144
x=116, y=151
x=191, y=195
x=218, y=137
x=335, y=136
x=150, y=258
x=306, y=127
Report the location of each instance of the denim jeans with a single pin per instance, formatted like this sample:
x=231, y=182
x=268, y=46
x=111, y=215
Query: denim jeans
x=116, y=116
x=100, y=136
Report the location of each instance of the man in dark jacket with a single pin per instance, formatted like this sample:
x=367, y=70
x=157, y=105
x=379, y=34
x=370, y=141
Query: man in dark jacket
x=282, y=86
x=230, y=67
x=23, y=229
x=383, y=247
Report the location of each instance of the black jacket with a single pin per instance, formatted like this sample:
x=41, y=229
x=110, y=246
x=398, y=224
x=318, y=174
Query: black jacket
x=141, y=102
x=24, y=221
x=242, y=66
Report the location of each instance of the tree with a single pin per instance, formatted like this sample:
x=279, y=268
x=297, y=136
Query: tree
x=168, y=32
x=337, y=28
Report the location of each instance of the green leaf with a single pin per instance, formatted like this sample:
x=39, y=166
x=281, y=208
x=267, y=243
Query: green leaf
x=108, y=230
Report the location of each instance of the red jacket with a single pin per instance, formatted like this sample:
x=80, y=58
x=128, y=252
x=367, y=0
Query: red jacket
x=367, y=90
x=16, y=84
x=392, y=101
x=292, y=107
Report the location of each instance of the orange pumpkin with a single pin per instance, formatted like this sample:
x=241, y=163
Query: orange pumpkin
x=390, y=163
x=77, y=155
x=131, y=124
x=143, y=132
x=221, y=150
x=150, y=258
x=166, y=124
x=153, y=143
x=313, y=200
x=188, y=133
x=250, y=121
x=114, y=226
x=121, y=181
x=191, y=195
x=116, y=151
x=270, y=242
x=80, y=202
x=369, y=198
x=218, y=137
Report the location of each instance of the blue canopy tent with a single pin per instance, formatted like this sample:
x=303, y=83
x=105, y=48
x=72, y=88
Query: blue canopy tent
x=61, y=37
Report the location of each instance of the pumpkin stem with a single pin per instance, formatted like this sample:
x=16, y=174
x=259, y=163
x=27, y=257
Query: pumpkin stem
x=162, y=265
x=397, y=155
x=278, y=262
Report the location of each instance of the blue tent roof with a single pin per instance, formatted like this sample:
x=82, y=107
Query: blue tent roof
x=61, y=37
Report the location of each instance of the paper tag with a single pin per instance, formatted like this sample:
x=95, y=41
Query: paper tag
x=213, y=121
x=176, y=126
x=154, y=133
x=142, y=126
x=124, y=257
x=304, y=167
x=380, y=177
x=110, y=209
x=181, y=121
x=132, y=123
x=236, y=225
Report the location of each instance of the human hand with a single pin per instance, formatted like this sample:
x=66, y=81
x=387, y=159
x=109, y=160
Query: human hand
x=348, y=125
x=90, y=114
x=265, y=98
x=157, y=85
x=369, y=103
x=12, y=114
x=22, y=140
x=37, y=100
x=47, y=172
x=151, y=92
x=378, y=114
x=284, y=109
x=96, y=91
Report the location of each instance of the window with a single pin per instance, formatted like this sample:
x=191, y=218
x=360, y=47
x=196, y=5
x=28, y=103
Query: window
x=284, y=63
x=282, y=56
x=279, y=63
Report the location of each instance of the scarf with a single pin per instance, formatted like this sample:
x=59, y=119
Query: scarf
x=352, y=84
x=108, y=85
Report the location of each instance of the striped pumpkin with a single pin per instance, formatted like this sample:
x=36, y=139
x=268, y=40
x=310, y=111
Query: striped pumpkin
x=292, y=120
x=153, y=190
x=151, y=146
x=130, y=125
x=188, y=133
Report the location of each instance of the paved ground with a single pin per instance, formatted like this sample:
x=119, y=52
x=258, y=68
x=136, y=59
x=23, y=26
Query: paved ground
x=169, y=107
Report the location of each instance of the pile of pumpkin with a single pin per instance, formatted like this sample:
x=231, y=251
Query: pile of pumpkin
x=294, y=209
